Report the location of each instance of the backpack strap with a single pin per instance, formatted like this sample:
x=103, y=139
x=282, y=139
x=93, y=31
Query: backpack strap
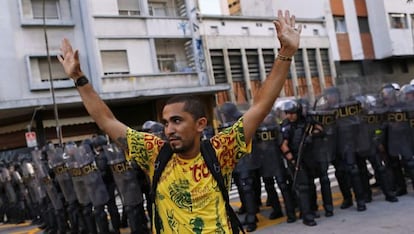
x=159, y=165
x=213, y=165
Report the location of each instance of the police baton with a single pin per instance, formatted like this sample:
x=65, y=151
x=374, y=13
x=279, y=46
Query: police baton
x=308, y=130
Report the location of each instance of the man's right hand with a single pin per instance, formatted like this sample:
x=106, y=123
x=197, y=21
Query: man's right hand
x=70, y=60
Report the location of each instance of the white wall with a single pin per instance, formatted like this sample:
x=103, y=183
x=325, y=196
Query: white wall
x=390, y=42
x=352, y=26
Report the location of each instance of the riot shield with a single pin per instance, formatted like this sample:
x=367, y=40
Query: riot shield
x=95, y=186
x=56, y=160
x=265, y=147
x=125, y=176
x=43, y=175
x=76, y=174
x=323, y=148
x=32, y=183
x=370, y=128
x=10, y=193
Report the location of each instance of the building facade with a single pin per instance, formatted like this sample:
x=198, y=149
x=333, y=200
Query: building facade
x=372, y=41
x=241, y=48
x=136, y=54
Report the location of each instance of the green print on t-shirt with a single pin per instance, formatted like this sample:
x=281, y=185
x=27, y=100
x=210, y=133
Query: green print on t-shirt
x=198, y=225
x=180, y=194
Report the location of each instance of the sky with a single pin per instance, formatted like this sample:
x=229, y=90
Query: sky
x=209, y=7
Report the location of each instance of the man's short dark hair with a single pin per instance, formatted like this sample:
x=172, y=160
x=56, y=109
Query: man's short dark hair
x=192, y=105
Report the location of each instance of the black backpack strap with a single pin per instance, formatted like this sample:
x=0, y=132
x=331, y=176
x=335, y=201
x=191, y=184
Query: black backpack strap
x=213, y=165
x=159, y=165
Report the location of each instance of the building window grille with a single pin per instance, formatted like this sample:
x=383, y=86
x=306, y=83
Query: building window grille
x=313, y=66
x=236, y=65
x=219, y=71
x=253, y=64
x=325, y=62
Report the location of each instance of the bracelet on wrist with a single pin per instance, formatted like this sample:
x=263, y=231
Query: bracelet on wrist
x=283, y=58
x=81, y=81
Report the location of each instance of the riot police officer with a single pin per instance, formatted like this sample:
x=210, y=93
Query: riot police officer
x=89, y=186
x=245, y=174
x=346, y=169
x=323, y=152
x=126, y=180
x=295, y=129
x=399, y=137
x=101, y=159
x=57, y=162
x=265, y=149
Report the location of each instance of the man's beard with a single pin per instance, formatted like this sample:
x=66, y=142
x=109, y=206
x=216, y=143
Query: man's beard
x=181, y=149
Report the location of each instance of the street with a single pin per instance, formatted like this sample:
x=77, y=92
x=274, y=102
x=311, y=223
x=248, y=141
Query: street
x=381, y=217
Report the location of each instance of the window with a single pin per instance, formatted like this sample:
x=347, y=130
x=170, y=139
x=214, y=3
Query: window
x=271, y=31
x=214, y=30
x=128, y=7
x=115, y=62
x=363, y=24
x=157, y=8
x=245, y=31
x=166, y=63
x=51, y=9
x=398, y=20
x=340, y=25
x=39, y=68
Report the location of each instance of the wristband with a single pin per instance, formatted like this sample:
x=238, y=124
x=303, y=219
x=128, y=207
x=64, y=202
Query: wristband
x=283, y=58
x=81, y=81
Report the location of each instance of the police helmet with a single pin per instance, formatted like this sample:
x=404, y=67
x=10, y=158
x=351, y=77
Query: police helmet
x=407, y=93
x=152, y=126
x=99, y=140
x=88, y=142
x=230, y=112
x=292, y=106
x=396, y=86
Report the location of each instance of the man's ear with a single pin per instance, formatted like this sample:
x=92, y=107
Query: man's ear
x=201, y=124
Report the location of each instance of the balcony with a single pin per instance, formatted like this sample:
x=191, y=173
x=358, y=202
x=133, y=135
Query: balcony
x=151, y=84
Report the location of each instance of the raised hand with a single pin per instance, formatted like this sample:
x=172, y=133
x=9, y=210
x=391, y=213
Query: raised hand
x=70, y=60
x=287, y=33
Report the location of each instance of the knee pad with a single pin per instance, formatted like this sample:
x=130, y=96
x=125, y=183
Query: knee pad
x=247, y=184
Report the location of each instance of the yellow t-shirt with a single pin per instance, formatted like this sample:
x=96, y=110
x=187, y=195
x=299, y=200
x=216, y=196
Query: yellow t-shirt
x=188, y=199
